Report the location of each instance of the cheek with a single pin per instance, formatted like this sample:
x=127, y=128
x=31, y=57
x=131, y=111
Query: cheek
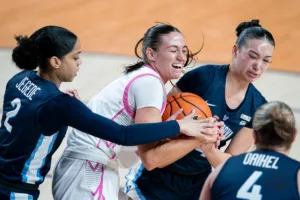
x=164, y=61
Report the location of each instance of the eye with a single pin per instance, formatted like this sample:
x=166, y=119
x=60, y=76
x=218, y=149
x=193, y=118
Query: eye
x=267, y=61
x=252, y=56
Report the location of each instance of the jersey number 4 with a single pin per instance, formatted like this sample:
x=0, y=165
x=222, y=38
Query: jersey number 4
x=16, y=103
x=244, y=191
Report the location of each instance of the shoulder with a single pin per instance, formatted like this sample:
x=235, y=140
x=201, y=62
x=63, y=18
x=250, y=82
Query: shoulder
x=17, y=77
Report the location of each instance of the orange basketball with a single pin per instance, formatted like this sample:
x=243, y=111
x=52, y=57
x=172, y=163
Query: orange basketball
x=187, y=101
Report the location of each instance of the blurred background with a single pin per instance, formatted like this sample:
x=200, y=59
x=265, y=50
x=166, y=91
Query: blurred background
x=109, y=29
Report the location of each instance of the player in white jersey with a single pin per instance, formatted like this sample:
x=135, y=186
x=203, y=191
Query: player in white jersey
x=88, y=168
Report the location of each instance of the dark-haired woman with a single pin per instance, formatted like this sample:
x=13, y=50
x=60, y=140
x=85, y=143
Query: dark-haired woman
x=229, y=92
x=267, y=172
x=36, y=113
x=89, y=166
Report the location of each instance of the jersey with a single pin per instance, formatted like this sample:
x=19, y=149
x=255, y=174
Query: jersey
x=209, y=82
x=261, y=174
x=25, y=149
x=119, y=101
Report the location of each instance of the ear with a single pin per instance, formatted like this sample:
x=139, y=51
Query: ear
x=235, y=49
x=150, y=54
x=55, y=62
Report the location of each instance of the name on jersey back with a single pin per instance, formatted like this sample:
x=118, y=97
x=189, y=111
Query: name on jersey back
x=261, y=160
x=27, y=88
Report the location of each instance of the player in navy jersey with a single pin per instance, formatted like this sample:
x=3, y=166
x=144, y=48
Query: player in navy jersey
x=36, y=113
x=267, y=172
x=229, y=92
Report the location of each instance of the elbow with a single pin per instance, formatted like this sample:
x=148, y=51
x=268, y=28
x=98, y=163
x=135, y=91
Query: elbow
x=149, y=161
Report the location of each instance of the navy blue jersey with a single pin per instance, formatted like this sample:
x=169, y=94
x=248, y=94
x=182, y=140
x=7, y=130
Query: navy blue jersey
x=34, y=122
x=257, y=175
x=209, y=83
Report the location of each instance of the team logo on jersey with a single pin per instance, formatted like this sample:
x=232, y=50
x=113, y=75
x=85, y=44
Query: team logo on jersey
x=213, y=105
x=225, y=117
x=245, y=117
x=243, y=123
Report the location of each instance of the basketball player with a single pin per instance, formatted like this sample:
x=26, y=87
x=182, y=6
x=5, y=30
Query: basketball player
x=89, y=166
x=229, y=92
x=36, y=114
x=267, y=172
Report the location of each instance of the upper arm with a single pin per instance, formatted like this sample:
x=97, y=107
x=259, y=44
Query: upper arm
x=241, y=142
x=198, y=80
x=147, y=115
x=205, y=194
x=148, y=103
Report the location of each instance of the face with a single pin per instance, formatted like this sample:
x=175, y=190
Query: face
x=69, y=65
x=170, y=57
x=252, y=59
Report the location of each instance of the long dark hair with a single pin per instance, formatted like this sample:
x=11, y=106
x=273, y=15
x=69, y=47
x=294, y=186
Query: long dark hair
x=43, y=44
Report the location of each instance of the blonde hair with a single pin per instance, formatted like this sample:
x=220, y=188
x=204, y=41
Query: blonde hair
x=274, y=125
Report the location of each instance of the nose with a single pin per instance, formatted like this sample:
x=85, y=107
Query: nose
x=258, y=65
x=79, y=62
x=181, y=56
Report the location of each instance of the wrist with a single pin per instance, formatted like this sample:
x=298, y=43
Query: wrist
x=181, y=126
x=209, y=148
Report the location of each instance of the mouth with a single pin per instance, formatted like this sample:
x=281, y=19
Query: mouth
x=178, y=66
x=253, y=74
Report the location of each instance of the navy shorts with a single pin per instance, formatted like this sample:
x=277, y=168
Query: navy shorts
x=161, y=184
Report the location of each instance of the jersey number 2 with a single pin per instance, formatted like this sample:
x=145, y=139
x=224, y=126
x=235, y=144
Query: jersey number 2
x=15, y=103
x=244, y=193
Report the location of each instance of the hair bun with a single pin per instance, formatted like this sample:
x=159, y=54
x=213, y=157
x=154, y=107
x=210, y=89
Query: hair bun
x=242, y=26
x=25, y=55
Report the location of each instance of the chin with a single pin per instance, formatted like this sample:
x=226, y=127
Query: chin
x=176, y=76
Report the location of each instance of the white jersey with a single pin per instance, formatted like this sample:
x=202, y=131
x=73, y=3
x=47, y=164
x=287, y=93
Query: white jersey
x=119, y=101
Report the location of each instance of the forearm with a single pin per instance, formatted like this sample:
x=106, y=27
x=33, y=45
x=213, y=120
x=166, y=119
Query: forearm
x=215, y=156
x=168, y=153
x=71, y=112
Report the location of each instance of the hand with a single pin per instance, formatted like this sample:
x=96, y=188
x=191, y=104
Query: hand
x=73, y=93
x=221, y=133
x=206, y=130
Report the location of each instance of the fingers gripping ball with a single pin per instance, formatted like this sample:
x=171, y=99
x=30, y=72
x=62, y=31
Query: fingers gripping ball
x=188, y=102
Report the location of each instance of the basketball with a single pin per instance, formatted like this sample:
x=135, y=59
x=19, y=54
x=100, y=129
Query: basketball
x=187, y=101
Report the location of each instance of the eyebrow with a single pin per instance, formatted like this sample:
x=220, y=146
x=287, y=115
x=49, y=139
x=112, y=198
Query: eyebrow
x=257, y=53
x=77, y=53
x=176, y=46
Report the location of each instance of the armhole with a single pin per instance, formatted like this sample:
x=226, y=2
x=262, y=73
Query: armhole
x=126, y=94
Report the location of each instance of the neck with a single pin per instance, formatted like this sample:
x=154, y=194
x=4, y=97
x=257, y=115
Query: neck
x=155, y=69
x=282, y=150
x=235, y=81
x=50, y=77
